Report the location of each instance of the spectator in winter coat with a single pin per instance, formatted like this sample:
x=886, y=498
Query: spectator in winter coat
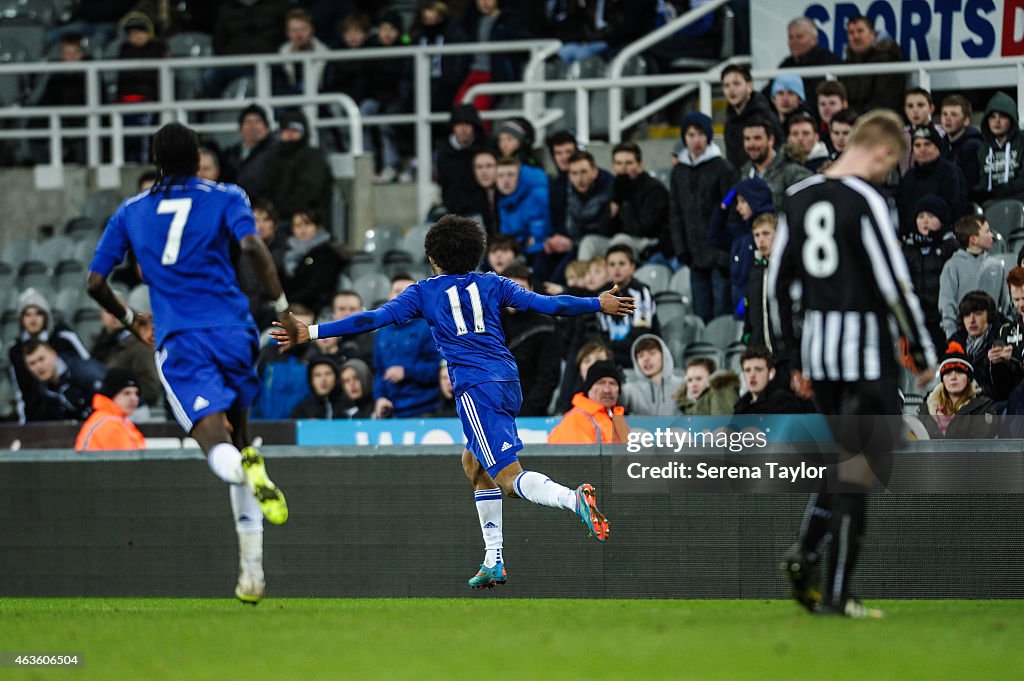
x=284, y=375
x=651, y=394
x=455, y=158
x=245, y=163
x=871, y=91
x=957, y=409
x=59, y=389
x=1001, y=155
x=36, y=322
x=357, y=381
x=311, y=263
x=964, y=139
x=561, y=146
x=297, y=176
x=639, y=204
x=301, y=38
x=803, y=140
x=766, y=394
x=805, y=50
x=698, y=184
x=244, y=27
x=389, y=91
x=327, y=399
x=523, y=206
x=927, y=249
x=405, y=362
x=930, y=175
x=978, y=335
x=536, y=345
x=752, y=197
x=108, y=427
x=596, y=416
x=1008, y=365
x=432, y=25
x=744, y=105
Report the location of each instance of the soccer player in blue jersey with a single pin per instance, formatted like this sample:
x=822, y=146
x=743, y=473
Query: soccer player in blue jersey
x=463, y=309
x=206, y=341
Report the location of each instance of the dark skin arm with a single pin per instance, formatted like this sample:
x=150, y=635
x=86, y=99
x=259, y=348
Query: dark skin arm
x=263, y=265
x=100, y=291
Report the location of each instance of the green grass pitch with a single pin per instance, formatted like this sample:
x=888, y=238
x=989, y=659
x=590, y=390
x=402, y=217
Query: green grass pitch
x=481, y=638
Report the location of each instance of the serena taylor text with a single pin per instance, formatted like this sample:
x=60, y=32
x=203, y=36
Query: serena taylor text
x=676, y=470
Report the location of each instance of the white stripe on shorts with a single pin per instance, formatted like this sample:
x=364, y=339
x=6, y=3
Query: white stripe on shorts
x=172, y=399
x=474, y=422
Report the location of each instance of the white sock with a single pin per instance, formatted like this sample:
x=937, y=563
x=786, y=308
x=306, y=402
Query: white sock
x=246, y=509
x=488, y=507
x=226, y=463
x=250, y=554
x=540, y=489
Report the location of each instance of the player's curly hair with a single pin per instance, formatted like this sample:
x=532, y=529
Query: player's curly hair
x=176, y=152
x=456, y=244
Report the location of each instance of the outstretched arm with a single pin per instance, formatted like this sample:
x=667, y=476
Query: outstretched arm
x=607, y=302
x=138, y=323
x=360, y=322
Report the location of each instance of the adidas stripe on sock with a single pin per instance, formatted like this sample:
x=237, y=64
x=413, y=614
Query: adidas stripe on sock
x=488, y=507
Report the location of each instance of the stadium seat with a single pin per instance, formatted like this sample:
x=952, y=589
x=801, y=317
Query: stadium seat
x=8, y=398
x=397, y=261
x=379, y=240
x=138, y=299
x=668, y=306
x=42, y=13
x=413, y=240
x=678, y=332
x=35, y=274
x=13, y=50
x=591, y=245
x=372, y=288
x=100, y=205
x=733, y=353
x=87, y=325
x=54, y=249
x=8, y=274
x=630, y=375
x=680, y=283
x=344, y=283
x=723, y=331
x=69, y=274
x=82, y=226
x=85, y=248
x=912, y=403
x=240, y=88
x=1006, y=218
x=657, y=277
x=16, y=251
x=69, y=301
x=362, y=264
x=10, y=325
x=702, y=349
x=188, y=83
x=663, y=175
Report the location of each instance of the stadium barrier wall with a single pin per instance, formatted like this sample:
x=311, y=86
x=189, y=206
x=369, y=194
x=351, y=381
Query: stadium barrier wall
x=400, y=521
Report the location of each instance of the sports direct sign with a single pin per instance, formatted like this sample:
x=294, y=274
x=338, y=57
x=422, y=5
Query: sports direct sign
x=925, y=29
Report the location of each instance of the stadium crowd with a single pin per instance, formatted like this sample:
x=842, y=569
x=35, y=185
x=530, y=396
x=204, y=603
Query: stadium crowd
x=578, y=229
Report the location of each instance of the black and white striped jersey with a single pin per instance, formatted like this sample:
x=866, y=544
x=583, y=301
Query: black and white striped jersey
x=839, y=265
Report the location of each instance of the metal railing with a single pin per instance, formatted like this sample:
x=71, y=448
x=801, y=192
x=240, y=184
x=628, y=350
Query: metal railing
x=169, y=108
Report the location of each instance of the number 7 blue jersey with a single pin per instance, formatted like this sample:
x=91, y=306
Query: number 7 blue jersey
x=181, y=239
x=464, y=313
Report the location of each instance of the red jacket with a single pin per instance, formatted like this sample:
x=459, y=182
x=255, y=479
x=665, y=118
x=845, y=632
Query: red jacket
x=107, y=428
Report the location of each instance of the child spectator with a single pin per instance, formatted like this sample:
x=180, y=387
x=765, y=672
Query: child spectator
x=752, y=197
x=651, y=394
x=927, y=249
x=957, y=409
x=757, y=327
x=970, y=269
x=502, y=251
x=964, y=139
x=619, y=333
x=327, y=399
x=109, y=428
x=523, y=208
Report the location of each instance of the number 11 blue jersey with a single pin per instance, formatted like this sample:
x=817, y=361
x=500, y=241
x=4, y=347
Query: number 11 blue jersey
x=181, y=239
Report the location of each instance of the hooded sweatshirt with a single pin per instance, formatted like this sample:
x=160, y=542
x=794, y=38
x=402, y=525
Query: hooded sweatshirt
x=524, y=213
x=965, y=272
x=644, y=397
x=1002, y=174
x=737, y=236
x=363, y=407
x=455, y=163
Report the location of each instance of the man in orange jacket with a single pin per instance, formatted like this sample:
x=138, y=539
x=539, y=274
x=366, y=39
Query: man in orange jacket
x=108, y=427
x=596, y=416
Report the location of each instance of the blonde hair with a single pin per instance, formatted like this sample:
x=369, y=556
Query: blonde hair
x=771, y=219
x=577, y=269
x=879, y=127
x=949, y=408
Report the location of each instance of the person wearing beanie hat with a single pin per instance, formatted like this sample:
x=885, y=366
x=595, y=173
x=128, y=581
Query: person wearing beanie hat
x=516, y=138
x=698, y=184
x=108, y=428
x=245, y=163
x=466, y=136
x=927, y=249
x=327, y=399
x=787, y=94
x=929, y=174
x=297, y=176
x=956, y=408
x=596, y=416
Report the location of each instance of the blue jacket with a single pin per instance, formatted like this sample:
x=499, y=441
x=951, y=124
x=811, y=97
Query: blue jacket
x=525, y=212
x=283, y=381
x=737, y=236
x=412, y=347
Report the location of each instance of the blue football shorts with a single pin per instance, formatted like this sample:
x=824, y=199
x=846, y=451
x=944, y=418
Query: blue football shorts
x=488, y=412
x=204, y=372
